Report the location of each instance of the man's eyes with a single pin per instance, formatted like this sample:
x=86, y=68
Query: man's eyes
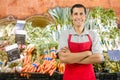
x=79, y=13
x=76, y=14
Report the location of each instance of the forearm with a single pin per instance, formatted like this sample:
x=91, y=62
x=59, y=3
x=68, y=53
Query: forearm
x=75, y=57
x=95, y=58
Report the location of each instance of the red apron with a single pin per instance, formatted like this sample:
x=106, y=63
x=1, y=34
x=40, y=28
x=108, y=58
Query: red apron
x=79, y=71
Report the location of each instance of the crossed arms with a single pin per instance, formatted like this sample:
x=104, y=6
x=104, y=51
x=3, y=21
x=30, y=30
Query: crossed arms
x=85, y=57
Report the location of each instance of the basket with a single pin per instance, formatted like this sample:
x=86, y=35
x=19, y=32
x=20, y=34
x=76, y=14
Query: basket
x=40, y=20
x=8, y=20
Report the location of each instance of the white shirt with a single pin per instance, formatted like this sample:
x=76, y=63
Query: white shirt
x=96, y=46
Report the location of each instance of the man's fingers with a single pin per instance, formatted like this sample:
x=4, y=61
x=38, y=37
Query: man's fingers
x=66, y=47
x=63, y=50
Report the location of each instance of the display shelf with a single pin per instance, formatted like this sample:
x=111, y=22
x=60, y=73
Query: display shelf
x=31, y=76
x=107, y=76
x=55, y=76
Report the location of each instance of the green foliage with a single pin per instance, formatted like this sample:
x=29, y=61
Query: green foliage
x=40, y=37
x=114, y=33
x=3, y=56
x=103, y=14
x=61, y=15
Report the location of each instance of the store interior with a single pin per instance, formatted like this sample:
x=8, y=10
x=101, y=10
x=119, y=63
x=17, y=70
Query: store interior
x=30, y=30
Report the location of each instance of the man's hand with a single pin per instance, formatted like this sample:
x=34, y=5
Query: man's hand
x=64, y=54
x=65, y=50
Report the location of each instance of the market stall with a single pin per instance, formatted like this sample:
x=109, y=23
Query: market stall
x=28, y=47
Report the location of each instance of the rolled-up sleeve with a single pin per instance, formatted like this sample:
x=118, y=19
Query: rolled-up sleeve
x=63, y=41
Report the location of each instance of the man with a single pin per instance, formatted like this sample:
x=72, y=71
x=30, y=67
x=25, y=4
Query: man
x=79, y=48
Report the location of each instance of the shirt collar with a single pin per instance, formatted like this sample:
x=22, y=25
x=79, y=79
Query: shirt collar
x=72, y=31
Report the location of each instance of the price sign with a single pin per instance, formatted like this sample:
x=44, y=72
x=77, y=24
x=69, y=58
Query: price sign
x=20, y=25
x=13, y=52
x=114, y=55
x=20, y=36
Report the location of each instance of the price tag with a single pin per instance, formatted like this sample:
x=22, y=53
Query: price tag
x=13, y=52
x=114, y=55
x=20, y=25
x=20, y=36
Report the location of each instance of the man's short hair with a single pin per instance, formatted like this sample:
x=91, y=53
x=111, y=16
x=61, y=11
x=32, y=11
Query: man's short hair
x=78, y=6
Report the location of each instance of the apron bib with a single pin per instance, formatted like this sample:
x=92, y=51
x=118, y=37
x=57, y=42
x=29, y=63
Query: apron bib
x=79, y=71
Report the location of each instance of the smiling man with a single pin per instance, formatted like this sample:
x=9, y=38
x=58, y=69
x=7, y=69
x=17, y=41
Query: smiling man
x=79, y=48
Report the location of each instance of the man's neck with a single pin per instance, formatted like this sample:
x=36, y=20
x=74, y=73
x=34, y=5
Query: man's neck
x=79, y=30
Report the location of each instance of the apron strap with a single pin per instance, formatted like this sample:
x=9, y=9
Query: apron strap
x=89, y=38
x=69, y=38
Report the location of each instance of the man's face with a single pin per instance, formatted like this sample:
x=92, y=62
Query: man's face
x=78, y=16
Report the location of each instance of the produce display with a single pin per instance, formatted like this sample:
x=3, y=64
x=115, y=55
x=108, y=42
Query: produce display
x=38, y=54
x=6, y=38
x=104, y=22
